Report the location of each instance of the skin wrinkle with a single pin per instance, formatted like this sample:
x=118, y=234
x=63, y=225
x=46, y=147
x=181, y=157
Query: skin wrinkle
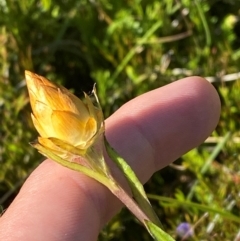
x=96, y=200
x=122, y=143
x=70, y=179
x=187, y=101
x=151, y=150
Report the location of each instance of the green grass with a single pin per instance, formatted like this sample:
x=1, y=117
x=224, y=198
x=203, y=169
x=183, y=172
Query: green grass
x=128, y=48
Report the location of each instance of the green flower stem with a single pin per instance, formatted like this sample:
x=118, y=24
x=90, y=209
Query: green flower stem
x=73, y=166
x=142, y=204
x=105, y=178
x=155, y=231
x=134, y=183
x=95, y=155
x=128, y=201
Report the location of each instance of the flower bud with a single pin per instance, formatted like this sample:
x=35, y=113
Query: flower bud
x=60, y=115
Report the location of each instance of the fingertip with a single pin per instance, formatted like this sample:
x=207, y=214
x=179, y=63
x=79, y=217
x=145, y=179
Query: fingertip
x=165, y=123
x=205, y=102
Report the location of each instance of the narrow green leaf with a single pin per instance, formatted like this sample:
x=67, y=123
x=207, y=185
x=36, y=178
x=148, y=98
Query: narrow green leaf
x=135, y=185
x=204, y=22
x=133, y=51
x=209, y=161
x=157, y=233
x=172, y=202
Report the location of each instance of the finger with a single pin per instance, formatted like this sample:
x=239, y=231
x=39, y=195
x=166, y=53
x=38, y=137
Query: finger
x=150, y=132
x=159, y=126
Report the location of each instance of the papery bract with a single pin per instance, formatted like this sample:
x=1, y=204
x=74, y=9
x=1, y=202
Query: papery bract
x=58, y=114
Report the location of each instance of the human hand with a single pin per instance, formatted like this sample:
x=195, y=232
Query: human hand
x=150, y=132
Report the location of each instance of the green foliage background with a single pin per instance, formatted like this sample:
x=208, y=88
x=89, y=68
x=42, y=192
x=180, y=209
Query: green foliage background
x=129, y=47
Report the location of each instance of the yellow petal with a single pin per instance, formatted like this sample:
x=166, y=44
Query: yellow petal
x=90, y=129
x=42, y=119
x=59, y=114
x=68, y=147
x=90, y=106
x=41, y=110
x=69, y=127
x=50, y=96
x=80, y=107
x=57, y=97
x=89, y=135
x=47, y=143
x=94, y=111
x=33, y=80
x=38, y=126
x=72, y=103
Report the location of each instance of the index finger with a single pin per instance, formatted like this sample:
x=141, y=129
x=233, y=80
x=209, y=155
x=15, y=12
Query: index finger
x=150, y=131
